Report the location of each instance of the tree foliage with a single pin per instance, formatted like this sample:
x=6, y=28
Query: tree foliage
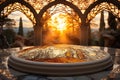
x=102, y=27
x=4, y=20
x=7, y=34
x=10, y=35
x=102, y=22
x=20, y=30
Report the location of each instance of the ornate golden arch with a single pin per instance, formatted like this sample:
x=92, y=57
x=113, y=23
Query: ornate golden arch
x=38, y=4
x=103, y=6
x=65, y=3
x=19, y=7
x=82, y=4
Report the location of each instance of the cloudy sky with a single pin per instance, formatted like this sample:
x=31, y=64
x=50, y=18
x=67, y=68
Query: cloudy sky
x=16, y=16
x=97, y=18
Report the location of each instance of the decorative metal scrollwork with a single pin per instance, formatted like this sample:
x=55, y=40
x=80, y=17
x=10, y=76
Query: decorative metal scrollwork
x=61, y=8
x=82, y=4
x=103, y=6
x=17, y=6
x=38, y=4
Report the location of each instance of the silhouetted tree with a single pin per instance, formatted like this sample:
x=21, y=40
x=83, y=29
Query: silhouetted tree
x=10, y=35
x=112, y=21
x=29, y=41
x=20, y=30
x=102, y=22
x=102, y=27
x=30, y=34
x=4, y=20
x=19, y=41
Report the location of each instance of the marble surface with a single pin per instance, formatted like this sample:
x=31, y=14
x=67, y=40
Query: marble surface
x=112, y=73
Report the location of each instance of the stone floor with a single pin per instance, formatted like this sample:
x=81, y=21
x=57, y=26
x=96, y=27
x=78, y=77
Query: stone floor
x=7, y=73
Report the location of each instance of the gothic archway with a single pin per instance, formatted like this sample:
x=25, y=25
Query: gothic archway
x=75, y=8
x=5, y=3
x=64, y=3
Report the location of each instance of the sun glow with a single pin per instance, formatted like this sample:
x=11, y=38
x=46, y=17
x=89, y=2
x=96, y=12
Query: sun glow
x=59, y=27
x=59, y=22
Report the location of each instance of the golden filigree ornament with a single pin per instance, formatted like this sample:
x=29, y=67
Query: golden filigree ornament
x=38, y=4
x=82, y=4
x=19, y=7
x=103, y=6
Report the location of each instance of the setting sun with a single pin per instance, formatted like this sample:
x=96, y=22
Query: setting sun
x=60, y=27
x=58, y=21
x=61, y=24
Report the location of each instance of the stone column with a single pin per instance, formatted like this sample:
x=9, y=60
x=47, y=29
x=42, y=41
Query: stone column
x=84, y=34
x=37, y=35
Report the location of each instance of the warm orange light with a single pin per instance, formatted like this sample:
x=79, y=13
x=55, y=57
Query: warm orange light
x=61, y=24
x=58, y=21
x=60, y=27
